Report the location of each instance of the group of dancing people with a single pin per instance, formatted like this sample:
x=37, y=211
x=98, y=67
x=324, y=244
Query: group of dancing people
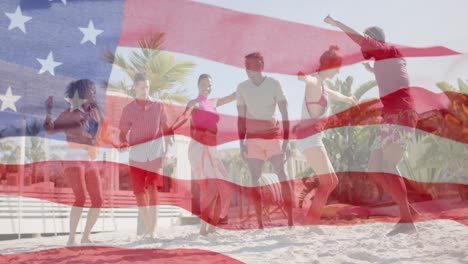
x=261, y=135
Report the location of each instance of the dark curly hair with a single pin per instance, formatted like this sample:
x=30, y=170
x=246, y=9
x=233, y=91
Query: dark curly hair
x=80, y=86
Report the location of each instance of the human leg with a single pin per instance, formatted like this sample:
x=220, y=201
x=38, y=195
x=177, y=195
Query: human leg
x=153, y=179
x=255, y=167
x=383, y=170
x=75, y=177
x=138, y=176
x=317, y=158
x=392, y=154
x=277, y=162
x=93, y=185
x=216, y=214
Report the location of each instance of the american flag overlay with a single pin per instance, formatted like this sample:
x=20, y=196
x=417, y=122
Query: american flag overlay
x=233, y=131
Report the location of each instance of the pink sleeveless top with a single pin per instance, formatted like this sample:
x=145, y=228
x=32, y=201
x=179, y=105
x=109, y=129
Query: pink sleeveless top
x=206, y=117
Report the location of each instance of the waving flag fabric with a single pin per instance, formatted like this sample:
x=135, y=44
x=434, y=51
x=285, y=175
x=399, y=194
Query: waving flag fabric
x=46, y=44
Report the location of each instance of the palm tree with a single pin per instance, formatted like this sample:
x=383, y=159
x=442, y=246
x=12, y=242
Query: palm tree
x=35, y=152
x=447, y=87
x=163, y=69
x=10, y=150
x=349, y=149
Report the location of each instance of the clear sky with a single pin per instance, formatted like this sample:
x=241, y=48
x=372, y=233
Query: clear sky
x=415, y=23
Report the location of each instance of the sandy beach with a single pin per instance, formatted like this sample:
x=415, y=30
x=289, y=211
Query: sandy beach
x=438, y=241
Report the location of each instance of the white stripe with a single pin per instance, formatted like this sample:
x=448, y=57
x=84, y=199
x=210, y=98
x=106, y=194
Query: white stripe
x=415, y=152
x=423, y=72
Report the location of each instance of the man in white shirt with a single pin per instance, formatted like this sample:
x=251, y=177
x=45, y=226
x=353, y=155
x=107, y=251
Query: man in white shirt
x=265, y=139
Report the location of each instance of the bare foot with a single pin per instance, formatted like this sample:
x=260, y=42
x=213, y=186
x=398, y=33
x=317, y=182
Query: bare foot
x=86, y=241
x=212, y=229
x=150, y=236
x=203, y=232
x=258, y=231
x=403, y=228
x=71, y=243
x=147, y=238
x=261, y=226
x=315, y=229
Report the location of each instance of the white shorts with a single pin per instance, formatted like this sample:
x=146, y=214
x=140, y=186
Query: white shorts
x=78, y=158
x=309, y=142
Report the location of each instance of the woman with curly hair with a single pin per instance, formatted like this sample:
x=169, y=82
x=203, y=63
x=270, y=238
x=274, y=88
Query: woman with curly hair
x=81, y=123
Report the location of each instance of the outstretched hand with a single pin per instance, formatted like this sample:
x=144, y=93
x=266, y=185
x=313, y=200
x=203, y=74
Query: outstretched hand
x=329, y=20
x=49, y=104
x=123, y=147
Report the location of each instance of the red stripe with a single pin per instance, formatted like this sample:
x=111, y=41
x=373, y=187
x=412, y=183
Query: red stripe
x=118, y=255
x=182, y=197
x=439, y=113
x=226, y=36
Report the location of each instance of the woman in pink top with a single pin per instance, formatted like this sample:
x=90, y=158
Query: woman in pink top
x=204, y=159
x=398, y=108
x=81, y=124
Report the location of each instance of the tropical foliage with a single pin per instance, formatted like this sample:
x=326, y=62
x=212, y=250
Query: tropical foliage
x=163, y=69
x=435, y=159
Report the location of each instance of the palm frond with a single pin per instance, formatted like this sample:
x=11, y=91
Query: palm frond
x=347, y=85
x=462, y=86
x=445, y=87
x=115, y=59
x=330, y=85
x=108, y=57
x=138, y=61
x=121, y=87
x=162, y=68
x=170, y=74
x=364, y=88
x=153, y=42
x=174, y=97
